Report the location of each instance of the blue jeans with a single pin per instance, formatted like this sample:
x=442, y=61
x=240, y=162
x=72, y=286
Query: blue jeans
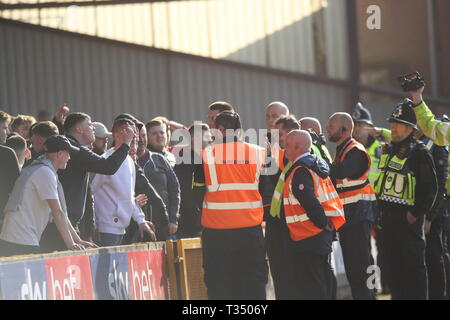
x=109, y=239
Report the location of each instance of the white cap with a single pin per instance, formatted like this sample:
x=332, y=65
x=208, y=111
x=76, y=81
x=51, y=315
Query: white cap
x=101, y=131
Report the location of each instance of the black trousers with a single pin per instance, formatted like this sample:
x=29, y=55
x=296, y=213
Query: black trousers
x=234, y=264
x=446, y=242
x=381, y=261
x=446, y=248
x=405, y=255
x=8, y=249
x=434, y=257
x=355, y=242
x=280, y=260
x=51, y=239
x=162, y=231
x=312, y=276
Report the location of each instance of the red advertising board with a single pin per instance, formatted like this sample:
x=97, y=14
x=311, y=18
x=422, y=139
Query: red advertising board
x=146, y=275
x=69, y=278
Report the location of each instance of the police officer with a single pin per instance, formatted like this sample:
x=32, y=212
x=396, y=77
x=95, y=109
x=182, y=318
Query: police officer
x=349, y=173
x=362, y=133
x=311, y=210
x=232, y=213
x=407, y=189
x=434, y=252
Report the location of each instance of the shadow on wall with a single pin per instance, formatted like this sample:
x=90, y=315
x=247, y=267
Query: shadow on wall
x=298, y=47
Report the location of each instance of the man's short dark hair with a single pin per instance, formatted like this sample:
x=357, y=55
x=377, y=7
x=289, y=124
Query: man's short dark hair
x=4, y=116
x=74, y=119
x=228, y=120
x=288, y=122
x=119, y=123
x=202, y=126
x=221, y=106
x=44, y=129
x=17, y=143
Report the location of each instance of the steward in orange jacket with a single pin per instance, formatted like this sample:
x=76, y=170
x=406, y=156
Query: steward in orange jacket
x=232, y=212
x=312, y=210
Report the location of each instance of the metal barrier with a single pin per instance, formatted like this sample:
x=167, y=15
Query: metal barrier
x=135, y=272
x=170, y=270
x=185, y=269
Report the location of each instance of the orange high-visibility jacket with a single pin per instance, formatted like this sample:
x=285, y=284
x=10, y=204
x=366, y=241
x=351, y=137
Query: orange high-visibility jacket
x=300, y=226
x=354, y=190
x=278, y=154
x=232, y=199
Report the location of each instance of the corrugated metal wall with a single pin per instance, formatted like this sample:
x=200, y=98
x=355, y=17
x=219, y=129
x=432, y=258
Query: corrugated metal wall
x=274, y=33
x=42, y=68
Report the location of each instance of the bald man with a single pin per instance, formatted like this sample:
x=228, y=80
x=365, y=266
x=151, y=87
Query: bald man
x=349, y=173
x=311, y=123
x=315, y=129
x=273, y=111
x=309, y=218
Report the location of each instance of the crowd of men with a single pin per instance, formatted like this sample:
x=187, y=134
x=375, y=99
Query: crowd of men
x=63, y=188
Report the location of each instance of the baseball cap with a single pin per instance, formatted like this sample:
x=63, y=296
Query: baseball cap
x=101, y=131
x=57, y=143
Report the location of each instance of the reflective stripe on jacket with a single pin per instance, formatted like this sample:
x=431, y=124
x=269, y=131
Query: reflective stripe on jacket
x=354, y=190
x=299, y=225
x=232, y=199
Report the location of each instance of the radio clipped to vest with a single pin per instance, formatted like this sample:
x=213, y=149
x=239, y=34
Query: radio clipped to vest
x=396, y=182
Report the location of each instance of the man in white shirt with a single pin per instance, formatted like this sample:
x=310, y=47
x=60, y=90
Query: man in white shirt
x=37, y=197
x=114, y=198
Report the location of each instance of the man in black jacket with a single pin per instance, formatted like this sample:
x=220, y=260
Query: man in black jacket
x=143, y=187
x=159, y=172
x=406, y=189
x=189, y=225
x=78, y=129
x=309, y=240
x=349, y=172
x=9, y=167
x=434, y=252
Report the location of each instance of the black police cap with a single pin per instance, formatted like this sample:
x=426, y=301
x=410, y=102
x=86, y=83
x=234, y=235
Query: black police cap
x=362, y=115
x=404, y=114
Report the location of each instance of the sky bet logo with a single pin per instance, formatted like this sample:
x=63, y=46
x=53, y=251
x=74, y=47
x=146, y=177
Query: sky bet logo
x=33, y=290
x=137, y=275
x=133, y=275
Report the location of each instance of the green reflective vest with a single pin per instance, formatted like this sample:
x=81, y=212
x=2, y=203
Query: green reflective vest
x=396, y=182
x=324, y=154
x=374, y=152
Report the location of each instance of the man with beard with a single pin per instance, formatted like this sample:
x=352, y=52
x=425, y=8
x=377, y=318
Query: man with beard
x=349, y=173
x=159, y=172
